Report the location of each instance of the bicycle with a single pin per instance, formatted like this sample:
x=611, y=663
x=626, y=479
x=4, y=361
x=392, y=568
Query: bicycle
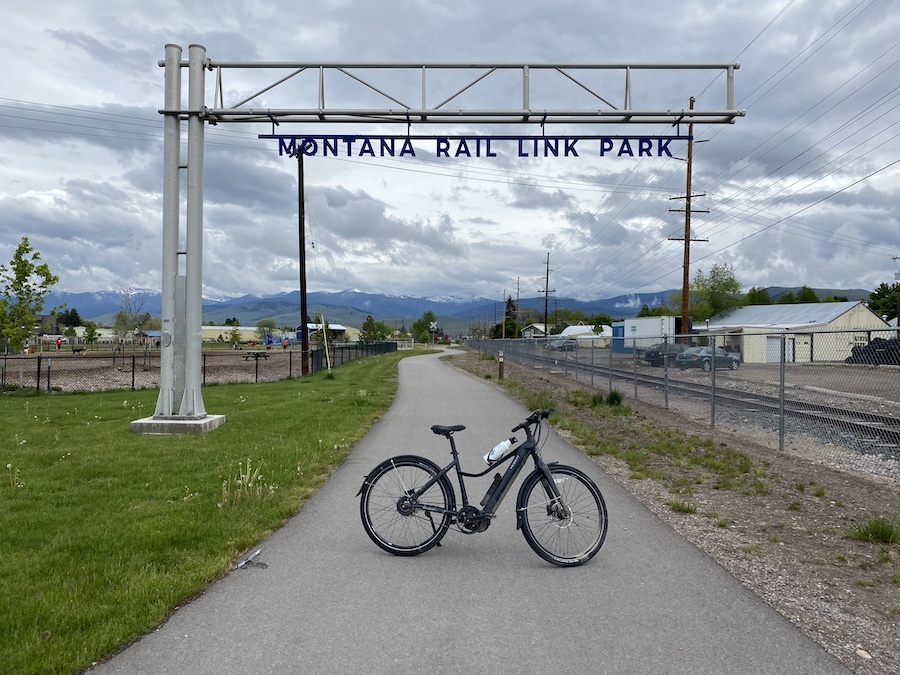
x=407, y=503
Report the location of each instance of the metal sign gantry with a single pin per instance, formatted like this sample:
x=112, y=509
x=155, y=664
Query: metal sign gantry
x=180, y=405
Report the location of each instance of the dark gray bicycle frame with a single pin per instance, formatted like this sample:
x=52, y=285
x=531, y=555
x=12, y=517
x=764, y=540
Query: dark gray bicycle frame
x=498, y=489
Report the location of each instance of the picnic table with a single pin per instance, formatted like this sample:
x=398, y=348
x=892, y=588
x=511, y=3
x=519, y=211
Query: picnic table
x=255, y=355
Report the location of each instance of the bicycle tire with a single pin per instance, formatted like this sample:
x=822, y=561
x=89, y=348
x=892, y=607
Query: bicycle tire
x=404, y=528
x=569, y=537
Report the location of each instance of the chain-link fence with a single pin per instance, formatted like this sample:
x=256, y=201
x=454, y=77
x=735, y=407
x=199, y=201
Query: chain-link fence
x=62, y=370
x=834, y=395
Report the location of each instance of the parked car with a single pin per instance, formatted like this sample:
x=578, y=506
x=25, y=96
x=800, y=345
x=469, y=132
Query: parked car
x=878, y=351
x=702, y=358
x=656, y=354
x=562, y=345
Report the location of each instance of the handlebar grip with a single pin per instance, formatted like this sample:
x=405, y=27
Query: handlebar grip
x=534, y=418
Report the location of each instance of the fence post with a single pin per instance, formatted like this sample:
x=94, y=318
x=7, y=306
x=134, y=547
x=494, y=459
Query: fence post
x=133, y=363
x=39, y=372
x=49, y=364
x=634, y=366
x=781, y=395
x=593, y=349
x=609, y=370
x=666, y=371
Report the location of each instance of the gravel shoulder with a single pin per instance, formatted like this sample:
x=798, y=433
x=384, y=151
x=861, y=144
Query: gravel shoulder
x=785, y=538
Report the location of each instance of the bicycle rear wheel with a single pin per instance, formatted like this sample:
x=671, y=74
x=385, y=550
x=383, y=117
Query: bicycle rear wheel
x=567, y=531
x=397, y=521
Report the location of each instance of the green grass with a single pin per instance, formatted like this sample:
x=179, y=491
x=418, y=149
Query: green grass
x=103, y=531
x=878, y=529
x=681, y=507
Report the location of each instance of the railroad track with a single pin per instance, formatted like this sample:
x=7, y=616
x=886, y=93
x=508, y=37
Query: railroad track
x=863, y=431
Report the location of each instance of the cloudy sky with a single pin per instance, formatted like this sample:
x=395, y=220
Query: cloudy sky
x=802, y=190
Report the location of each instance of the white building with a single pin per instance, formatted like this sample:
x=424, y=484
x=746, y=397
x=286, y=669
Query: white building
x=813, y=332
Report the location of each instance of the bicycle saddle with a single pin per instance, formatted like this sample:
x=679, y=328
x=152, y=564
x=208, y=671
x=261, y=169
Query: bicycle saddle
x=445, y=430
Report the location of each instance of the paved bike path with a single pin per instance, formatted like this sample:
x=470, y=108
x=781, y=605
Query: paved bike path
x=322, y=598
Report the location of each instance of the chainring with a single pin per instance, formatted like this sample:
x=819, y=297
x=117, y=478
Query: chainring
x=470, y=520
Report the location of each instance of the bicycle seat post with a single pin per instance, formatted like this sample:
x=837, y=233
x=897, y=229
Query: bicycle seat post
x=453, y=450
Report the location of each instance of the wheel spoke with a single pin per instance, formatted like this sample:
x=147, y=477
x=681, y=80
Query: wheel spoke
x=568, y=530
x=393, y=519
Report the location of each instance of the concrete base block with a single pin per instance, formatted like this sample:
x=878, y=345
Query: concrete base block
x=152, y=425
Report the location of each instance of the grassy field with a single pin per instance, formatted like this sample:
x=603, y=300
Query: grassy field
x=104, y=531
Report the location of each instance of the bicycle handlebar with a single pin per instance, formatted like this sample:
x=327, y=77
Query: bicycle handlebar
x=534, y=418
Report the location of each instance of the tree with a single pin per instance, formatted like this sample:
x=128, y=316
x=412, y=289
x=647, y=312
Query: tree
x=662, y=310
x=601, y=319
x=264, y=328
x=90, y=332
x=233, y=321
x=561, y=316
x=806, y=295
x=835, y=298
x=710, y=294
x=758, y=296
x=70, y=318
x=234, y=336
x=132, y=318
x=885, y=300
x=373, y=331
x=422, y=327
x=126, y=325
x=507, y=327
x=788, y=299
x=23, y=287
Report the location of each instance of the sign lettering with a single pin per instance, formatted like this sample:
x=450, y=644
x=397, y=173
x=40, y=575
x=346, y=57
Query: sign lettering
x=454, y=147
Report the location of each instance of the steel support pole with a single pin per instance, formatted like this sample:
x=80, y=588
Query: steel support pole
x=301, y=227
x=192, y=400
x=165, y=404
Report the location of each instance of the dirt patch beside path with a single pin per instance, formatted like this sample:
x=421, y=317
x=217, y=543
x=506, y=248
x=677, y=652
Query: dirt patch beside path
x=777, y=522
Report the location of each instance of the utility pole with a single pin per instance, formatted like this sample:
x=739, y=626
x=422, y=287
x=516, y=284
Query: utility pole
x=547, y=293
x=517, y=307
x=301, y=226
x=686, y=271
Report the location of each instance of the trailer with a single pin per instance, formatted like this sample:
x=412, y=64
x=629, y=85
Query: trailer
x=639, y=334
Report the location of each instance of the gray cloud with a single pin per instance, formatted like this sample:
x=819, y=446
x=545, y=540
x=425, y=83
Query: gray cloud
x=81, y=145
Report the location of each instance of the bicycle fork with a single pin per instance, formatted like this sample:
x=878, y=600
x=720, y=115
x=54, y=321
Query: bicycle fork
x=555, y=506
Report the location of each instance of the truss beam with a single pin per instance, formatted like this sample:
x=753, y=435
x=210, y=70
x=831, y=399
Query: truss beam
x=327, y=101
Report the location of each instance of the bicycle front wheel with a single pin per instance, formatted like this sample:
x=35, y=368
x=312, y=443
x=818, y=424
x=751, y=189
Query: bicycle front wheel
x=395, y=516
x=567, y=531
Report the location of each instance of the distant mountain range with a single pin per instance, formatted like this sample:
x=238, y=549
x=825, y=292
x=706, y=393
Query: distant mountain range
x=351, y=307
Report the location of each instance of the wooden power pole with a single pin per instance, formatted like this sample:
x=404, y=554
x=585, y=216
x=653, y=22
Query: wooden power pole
x=547, y=293
x=686, y=270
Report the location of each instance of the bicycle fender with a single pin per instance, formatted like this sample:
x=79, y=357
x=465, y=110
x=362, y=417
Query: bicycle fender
x=537, y=474
x=390, y=462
